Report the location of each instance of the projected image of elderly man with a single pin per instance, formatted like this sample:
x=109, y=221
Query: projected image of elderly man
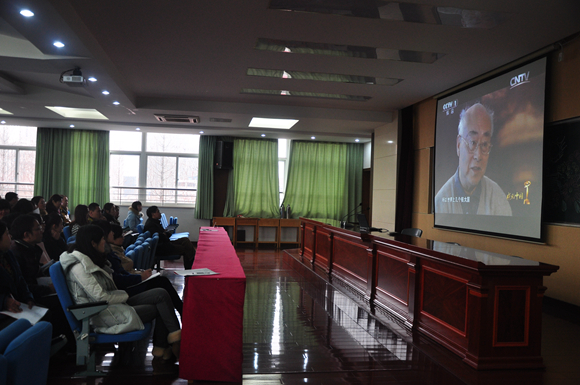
x=469, y=191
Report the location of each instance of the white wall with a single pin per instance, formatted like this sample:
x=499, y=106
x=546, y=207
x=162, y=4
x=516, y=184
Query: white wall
x=367, y=155
x=385, y=176
x=186, y=219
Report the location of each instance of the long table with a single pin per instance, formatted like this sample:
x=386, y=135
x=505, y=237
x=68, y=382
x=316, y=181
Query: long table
x=485, y=307
x=213, y=312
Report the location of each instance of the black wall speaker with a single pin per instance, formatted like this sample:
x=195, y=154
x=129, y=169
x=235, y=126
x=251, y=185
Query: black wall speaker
x=224, y=155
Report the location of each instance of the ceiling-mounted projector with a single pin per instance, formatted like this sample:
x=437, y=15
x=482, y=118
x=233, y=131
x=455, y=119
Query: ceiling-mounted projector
x=75, y=79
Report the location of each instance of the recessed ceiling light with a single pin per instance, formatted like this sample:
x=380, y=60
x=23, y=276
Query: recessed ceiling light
x=138, y=129
x=116, y=103
x=389, y=141
x=313, y=137
x=201, y=132
x=3, y=122
x=72, y=126
x=58, y=44
x=105, y=92
x=3, y=111
x=284, y=124
x=27, y=13
x=263, y=135
x=357, y=140
x=92, y=79
x=78, y=113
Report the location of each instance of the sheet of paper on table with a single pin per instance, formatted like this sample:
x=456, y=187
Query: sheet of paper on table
x=203, y=271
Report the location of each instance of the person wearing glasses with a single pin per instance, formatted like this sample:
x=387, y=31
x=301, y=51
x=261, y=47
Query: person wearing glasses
x=469, y=191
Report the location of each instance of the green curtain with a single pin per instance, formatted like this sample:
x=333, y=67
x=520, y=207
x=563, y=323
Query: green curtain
x=253, y=183
x=74, y=163
x=324, y=179
x=204, y=199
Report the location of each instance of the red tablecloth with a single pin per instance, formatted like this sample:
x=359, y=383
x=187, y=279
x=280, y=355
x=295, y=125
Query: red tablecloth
x=213, y=312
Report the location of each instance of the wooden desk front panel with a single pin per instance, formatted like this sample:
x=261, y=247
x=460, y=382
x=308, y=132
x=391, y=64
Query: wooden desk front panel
x=352, y=262
x=323, y=257
x=395, y=283
x=309, y=242
x=443, y=300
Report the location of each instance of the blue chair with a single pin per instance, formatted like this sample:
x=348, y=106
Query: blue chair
x=140, y=228
x=71, y=240
x=78, y=317
x=138, y=260
x=25, y=353
x=173, y=236
x=67, y=232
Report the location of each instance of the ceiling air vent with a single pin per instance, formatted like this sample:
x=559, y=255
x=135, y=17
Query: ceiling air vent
x=178, y=118
x=220, y=120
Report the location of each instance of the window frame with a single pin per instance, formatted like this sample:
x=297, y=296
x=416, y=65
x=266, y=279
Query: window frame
x=142, y=178
x=17, y=183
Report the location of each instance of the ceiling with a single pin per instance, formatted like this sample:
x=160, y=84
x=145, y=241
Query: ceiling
x=192, y=58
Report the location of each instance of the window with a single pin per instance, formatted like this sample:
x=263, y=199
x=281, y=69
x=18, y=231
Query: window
x=283, y=145
x=17, y=160
x=153, y=168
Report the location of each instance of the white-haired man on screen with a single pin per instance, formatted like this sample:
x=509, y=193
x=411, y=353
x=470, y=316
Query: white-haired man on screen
x=469, y=191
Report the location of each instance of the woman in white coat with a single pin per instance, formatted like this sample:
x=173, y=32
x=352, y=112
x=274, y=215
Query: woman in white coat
x=89, y=280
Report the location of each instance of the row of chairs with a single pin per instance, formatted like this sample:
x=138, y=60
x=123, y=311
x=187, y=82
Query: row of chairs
x=172, y=222
x=142, y=252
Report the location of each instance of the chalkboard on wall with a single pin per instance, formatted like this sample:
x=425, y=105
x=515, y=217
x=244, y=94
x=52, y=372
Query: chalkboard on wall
x=562, y=172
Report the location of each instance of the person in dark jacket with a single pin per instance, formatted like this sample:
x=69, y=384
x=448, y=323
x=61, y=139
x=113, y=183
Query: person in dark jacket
x=53, y=238
x=181, y=246
x=14, y=291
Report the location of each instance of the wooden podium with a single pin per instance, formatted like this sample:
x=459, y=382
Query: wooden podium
x=484, y=307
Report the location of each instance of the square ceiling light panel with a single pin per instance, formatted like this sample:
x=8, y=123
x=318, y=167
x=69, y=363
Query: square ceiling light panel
x=78, y=113
x=281, y=124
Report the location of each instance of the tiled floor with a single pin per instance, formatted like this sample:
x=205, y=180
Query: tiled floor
x=298, y=329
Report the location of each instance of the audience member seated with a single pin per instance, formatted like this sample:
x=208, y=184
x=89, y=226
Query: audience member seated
x=13, y=288
x=26, y=233
x=109, y=213
x=134, y=216
x=181, y=246
x=53, y=238
x=11, y=198
x=81, y=218
x=40, y=204
x=23, y=206
x=89, y=281
x=95, y=213
x=64, y=211
x=53, y=205
x=130, y=281
x=4, y=208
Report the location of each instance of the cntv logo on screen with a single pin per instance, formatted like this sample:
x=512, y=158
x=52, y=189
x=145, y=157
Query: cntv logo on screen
x=450, y=106
x=520, y=79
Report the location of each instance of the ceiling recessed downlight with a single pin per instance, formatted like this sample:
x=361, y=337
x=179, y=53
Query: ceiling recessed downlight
x=105, y=92
x=281, y=124
x=92, y=79
x=58, y=44
x=72, y=126
x=27, y=13
x=78, y=113
x=263, y=135
x=313, y=137
x=116, y=103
